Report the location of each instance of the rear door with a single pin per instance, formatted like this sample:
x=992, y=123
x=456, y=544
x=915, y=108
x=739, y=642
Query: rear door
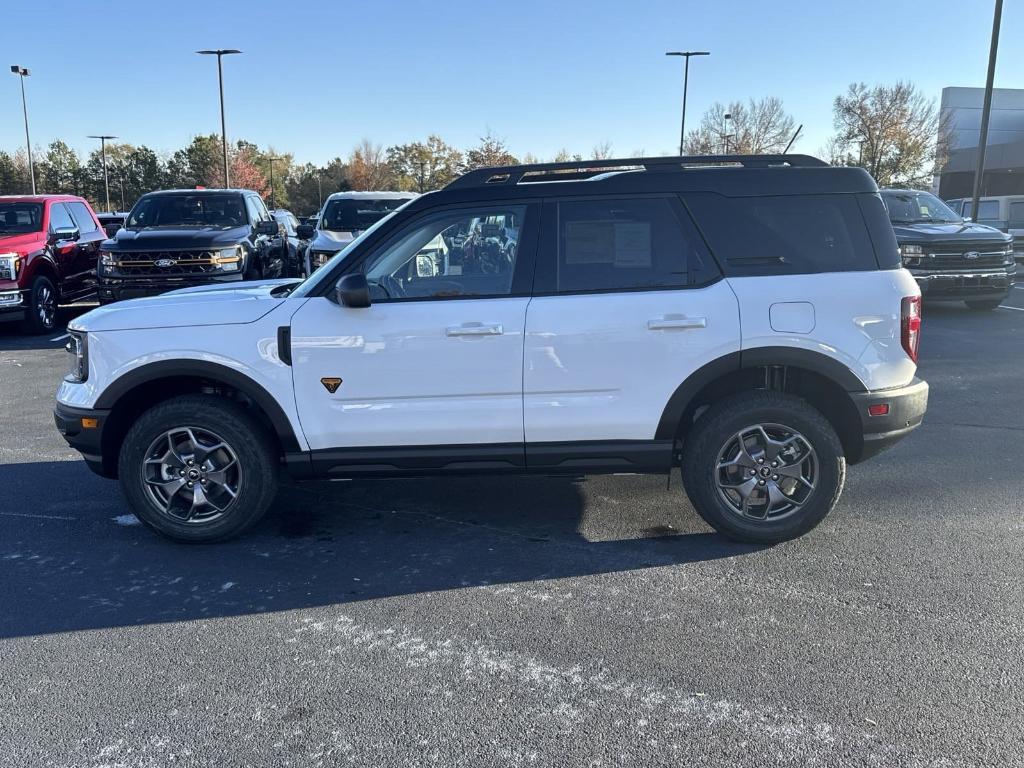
x=628, y=303
x=90, y=235
x=430, y=375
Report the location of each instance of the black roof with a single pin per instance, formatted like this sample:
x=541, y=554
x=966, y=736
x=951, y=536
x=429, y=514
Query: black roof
x=731, y=175
x=200, y=192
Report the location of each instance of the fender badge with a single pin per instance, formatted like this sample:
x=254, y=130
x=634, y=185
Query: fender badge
x=331, y=384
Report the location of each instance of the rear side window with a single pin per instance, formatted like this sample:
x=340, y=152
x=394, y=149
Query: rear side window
x=82, y=218
x=1017, y=215
x=623, y=244
x=786, y=234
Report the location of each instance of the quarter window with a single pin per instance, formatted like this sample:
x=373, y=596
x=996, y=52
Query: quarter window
x=450, y=255
x=83, y=219
x=1017, y=215
x=634, y=244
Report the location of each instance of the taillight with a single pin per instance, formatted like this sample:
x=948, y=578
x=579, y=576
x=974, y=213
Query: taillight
x=910, y=324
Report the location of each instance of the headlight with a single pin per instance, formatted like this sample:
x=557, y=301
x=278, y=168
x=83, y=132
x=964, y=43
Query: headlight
x=318, y=258
x=10, y=265
x=911, y=255
x=78, y=348
x=228, y=259
x=107, y=259
x=1008, y=257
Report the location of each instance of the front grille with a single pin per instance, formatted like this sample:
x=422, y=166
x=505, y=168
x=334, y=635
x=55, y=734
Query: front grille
x=164, y=263
x=952, y=256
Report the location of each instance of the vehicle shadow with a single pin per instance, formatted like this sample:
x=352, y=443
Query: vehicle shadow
x=74, y=560
x=13, y=336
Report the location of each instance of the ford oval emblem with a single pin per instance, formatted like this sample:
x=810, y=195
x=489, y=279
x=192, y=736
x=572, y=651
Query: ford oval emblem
x=971, y=255
x=165, y=262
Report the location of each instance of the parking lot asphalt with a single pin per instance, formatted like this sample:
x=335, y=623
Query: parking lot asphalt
x=515, y=621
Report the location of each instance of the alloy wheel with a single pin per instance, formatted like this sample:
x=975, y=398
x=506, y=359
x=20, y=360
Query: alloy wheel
x=766, y=472
x=46, y=306
x=191, y=475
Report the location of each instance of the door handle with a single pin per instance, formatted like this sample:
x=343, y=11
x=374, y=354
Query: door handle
x=474, y=329
x=676, y=321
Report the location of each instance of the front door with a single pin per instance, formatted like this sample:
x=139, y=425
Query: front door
x=437, y=359
x=628, y=305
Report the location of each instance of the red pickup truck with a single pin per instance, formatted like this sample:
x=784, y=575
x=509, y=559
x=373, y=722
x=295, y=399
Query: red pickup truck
x=49, y=245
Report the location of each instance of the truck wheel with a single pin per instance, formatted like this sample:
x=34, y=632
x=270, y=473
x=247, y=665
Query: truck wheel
x=254, y=270
x=763, y=467
x=984, y=305
x=198, y=468
x=41, y=312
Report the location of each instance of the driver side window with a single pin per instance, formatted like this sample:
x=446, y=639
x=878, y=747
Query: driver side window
x=471, y=252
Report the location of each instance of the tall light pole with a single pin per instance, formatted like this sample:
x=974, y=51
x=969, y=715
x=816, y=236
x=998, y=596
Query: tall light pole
x=103, y=151
x=220, y=53
x=273, y=199
x=319, y=189
x=725, y=133
x=22, y=73
x=686, y=82
x=986, y=109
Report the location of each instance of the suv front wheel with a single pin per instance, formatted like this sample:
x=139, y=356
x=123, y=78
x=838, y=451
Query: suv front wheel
x=198, y=468
x=763, y=467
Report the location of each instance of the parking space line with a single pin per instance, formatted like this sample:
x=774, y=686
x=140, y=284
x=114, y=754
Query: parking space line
x=1016, y=309
x=61, y=338
x=40, y=517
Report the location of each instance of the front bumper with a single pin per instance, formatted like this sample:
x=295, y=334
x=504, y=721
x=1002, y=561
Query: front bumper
x=82, y=428
x=118, y=288
x=906, y=408
x=979, y=284
x=13, y=300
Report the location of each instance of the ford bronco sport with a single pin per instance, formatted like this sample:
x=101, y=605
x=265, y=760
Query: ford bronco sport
x=745, y=319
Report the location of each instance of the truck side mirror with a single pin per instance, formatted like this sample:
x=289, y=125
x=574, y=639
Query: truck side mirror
x=305, y=231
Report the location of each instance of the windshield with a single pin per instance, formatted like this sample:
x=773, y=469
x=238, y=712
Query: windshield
x=186, y=210
x=20, y=218
x=347, y=214
x=917, y=208
x=310, y=284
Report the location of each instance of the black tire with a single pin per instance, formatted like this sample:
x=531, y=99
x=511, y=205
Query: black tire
x=720, y=424
x=245, y=438
x=253, y=271
x=41, y=312
x=984, y=305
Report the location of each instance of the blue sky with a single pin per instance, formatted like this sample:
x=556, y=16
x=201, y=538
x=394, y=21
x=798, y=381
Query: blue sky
x=318, y=76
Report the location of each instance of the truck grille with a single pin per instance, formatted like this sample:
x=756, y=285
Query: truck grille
x=165, y=263
x=959, y=256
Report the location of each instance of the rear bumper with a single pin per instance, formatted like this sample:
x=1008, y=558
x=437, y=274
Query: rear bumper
x=980, y=284
x=906, y=408
x=117, y=289
x=86, y=437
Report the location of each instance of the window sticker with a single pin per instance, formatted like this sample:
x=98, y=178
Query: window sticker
x=633, y=244
x=590, y=242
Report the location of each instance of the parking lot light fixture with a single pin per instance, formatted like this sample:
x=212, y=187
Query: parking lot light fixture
x=106, y=179
x=273, y=198
x=22, y=73
x=220, y=53
x=686, y=82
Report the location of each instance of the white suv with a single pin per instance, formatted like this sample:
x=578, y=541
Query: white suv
x=743, y=318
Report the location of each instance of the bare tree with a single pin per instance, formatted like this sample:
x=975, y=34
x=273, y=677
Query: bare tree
x=893, y=132
x=368, y=167
x=601, y=151
x=757, y=127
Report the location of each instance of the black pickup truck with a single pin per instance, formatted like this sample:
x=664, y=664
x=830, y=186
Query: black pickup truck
x=950, y=257
x=180, y=238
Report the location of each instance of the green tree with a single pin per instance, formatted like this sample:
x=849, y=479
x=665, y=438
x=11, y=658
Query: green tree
x=14, y=178
x=893, y=132
x=59, y=170
x=491, y=151
x=199, y=164
x=423, y=166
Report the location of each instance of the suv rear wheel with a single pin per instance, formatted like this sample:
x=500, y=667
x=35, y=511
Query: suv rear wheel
x=41, y=312
x=763, y=467
x=198, y=468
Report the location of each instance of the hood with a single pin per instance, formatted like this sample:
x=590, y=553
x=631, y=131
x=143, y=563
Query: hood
x=172, y=238
x=21, y=243
x=927, y=232
x=332, y=239
x=232, y=304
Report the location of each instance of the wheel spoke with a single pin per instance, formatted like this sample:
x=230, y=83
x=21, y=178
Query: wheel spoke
x=744, y=489
x=200, y=452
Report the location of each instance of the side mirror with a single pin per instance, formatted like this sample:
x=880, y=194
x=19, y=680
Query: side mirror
x=64, y=234
x=968, y=219
x=267, y=228
x=353, y=291
x=305, y=231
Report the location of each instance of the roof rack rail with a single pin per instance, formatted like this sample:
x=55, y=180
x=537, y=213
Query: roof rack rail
x=573, y=170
